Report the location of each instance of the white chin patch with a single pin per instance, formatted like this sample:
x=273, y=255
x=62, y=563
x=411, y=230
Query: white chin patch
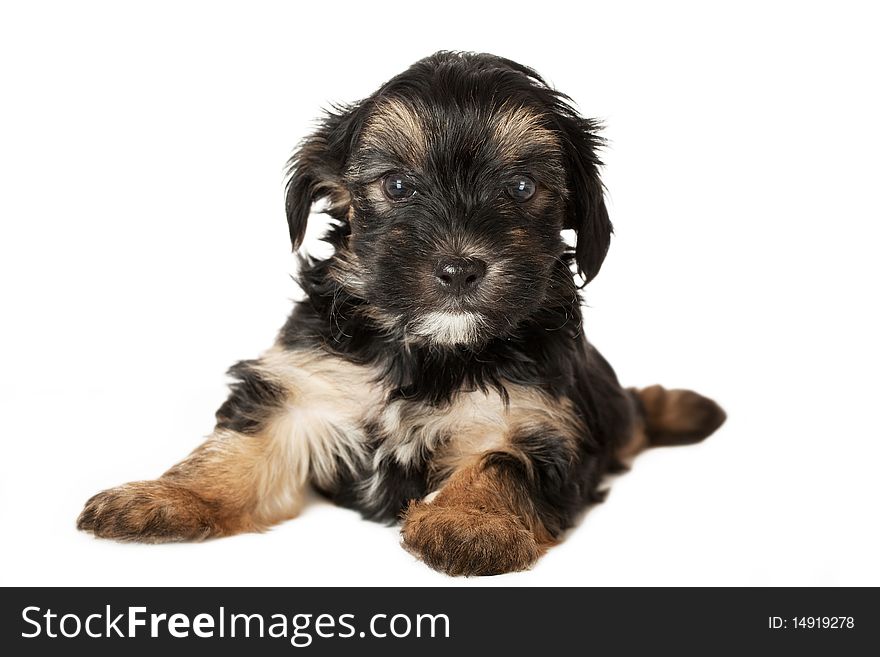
x=448, y=328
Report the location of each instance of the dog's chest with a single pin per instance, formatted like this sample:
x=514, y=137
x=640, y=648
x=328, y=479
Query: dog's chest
x=342, y=414
x=342, y=408
x=413, y=433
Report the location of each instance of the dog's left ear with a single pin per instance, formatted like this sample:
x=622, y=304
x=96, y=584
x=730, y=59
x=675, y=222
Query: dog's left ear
x=315, y=171
x=587, y=213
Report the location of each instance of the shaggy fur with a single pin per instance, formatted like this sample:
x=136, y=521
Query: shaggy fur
x=437, y=371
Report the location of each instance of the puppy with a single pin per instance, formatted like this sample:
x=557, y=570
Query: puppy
x=436, y=372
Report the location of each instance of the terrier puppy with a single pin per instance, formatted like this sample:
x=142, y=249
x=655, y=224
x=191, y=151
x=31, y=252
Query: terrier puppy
x=436, y=372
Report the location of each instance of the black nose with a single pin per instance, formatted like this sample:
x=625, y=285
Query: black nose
x=459, y=275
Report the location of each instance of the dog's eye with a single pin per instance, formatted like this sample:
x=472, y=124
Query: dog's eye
x=398, y=187
x=521, y=188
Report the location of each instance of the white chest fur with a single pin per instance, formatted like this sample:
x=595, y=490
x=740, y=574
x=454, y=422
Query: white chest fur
x=331, y=402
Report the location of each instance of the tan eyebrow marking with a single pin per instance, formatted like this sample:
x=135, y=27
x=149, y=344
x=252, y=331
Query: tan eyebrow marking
x=513, y=127
x=398, y=126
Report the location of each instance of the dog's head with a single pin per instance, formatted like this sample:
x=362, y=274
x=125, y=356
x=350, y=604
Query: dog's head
x=451, y=184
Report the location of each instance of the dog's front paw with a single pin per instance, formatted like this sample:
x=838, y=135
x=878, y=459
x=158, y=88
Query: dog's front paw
x=148, y=511
x=464, y=541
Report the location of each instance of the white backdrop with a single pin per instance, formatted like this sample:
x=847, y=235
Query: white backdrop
x=144, y=250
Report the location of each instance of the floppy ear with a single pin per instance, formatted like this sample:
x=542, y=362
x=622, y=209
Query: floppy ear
x=315, y=171
x=587, y=213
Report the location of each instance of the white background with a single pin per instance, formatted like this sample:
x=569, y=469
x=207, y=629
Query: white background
x=144, y=250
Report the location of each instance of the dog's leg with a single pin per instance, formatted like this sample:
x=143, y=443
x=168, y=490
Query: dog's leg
x=271, y=439
x=670, y=417
x=232, y=483
x=497, y=515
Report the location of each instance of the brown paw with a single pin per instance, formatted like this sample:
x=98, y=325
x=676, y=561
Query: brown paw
x=148, y=511
x=465, y=541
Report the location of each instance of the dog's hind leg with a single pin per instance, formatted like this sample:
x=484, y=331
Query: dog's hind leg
x=670, y=417
x=275, y=434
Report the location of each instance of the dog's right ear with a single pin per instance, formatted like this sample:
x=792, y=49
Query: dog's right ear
x=315, y=171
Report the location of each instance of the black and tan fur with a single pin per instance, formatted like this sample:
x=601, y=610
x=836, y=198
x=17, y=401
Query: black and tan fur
x=480, y=417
